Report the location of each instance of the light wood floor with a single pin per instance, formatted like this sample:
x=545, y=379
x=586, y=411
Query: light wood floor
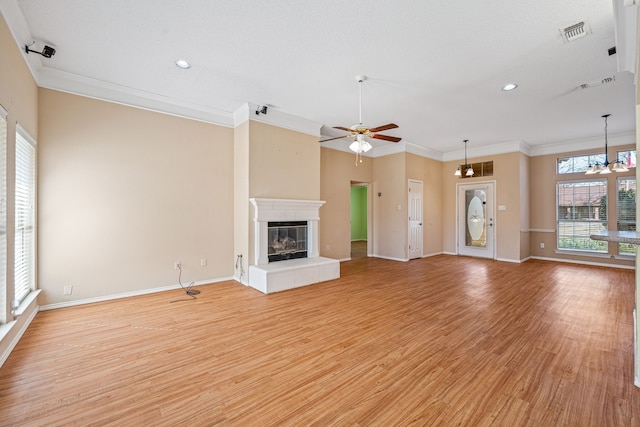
x=436, y=341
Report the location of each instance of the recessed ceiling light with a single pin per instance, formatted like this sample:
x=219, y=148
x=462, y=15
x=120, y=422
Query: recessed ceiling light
x=181, y=63
x=509, y=86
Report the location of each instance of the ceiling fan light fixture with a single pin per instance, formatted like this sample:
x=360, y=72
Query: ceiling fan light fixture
x=458, y=172
x=470, y=171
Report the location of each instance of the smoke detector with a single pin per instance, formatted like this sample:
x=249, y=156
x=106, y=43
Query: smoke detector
x=575, y=31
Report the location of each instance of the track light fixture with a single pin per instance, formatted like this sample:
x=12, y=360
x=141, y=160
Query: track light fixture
x=47, y=51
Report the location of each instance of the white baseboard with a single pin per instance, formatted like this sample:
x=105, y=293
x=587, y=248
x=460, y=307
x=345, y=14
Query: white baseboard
x=573, y=261
x=432, y=254
x=517, y=261
x=126, y=294
x=4, y=356
x=390, y=258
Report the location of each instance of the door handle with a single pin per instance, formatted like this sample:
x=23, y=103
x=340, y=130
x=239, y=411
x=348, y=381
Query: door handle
x=420, y=224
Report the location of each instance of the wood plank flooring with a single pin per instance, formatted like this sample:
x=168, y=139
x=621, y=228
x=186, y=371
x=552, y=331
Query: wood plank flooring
x=437, y=341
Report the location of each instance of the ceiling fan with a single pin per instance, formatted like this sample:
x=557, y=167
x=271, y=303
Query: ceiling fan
x=359, y=132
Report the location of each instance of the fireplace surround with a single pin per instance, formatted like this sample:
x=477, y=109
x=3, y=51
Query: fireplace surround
x=277, y=275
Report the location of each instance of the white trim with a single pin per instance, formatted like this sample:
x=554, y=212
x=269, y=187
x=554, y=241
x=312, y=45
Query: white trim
x=127, y=294
x=434, y=254
x=489, y=150
x=573, y=261
x=3, y=112
x=26, y=135
x=104, y=91
x=583, y=145
x=583, y=253
x=4, y=330
x=390, y=258
x=449, y=253
x=539, y=230
x=516, y=261
x=277, y=118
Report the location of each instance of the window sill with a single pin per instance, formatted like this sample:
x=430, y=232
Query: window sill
x=625, y=257
x=583, y=253
x=33, y=295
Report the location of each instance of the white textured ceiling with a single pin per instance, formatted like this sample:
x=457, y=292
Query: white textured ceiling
x=434, y=67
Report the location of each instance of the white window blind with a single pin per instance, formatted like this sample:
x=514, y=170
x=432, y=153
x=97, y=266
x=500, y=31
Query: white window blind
x=626, y=211
x=582, y=211
x=25, y=216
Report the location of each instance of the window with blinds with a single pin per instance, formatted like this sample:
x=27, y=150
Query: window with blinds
x=581, y=212
x=25, y=216
x=626, y=211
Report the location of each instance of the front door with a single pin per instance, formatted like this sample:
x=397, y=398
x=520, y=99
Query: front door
x=476, y=231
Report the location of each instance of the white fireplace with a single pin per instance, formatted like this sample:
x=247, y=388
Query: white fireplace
x=277, y=276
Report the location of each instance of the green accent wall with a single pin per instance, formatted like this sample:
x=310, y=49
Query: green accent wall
x=358, y=213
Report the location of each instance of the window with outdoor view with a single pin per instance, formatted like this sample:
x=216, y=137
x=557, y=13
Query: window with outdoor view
x=581, y=211
x=626, y=211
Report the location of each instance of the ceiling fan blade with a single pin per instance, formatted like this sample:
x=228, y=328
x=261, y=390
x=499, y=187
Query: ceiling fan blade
x=343, y=128
x=337, y=137
x=386, y=138
x=384, y=127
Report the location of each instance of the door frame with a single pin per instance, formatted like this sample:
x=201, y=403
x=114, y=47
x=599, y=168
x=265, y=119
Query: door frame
x=494, y=234
x=369, y=208
x=417, y=181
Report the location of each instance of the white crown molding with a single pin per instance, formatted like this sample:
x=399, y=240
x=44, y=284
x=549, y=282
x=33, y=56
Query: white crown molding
x=625, y=18
x=276, y=118
x=628, y=138
x=14, y=18
x=92, y=88
x=489, y=150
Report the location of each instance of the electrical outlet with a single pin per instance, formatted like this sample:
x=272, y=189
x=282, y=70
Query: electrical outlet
x=203, y=262
x=68, y=290
x=541, y=245
x=177, y=265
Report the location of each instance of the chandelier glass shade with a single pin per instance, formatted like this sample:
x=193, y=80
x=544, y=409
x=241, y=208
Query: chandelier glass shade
x=360, y=145
x=468, y=168
x=603, y=168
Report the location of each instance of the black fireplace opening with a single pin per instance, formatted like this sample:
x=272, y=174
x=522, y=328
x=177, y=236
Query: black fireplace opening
x=287, y=240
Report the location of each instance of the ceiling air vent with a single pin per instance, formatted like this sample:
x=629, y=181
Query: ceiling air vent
x=575, y=31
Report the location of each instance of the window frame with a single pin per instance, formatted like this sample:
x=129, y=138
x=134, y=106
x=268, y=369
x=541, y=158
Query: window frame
x=604, y=183
x=24, y=269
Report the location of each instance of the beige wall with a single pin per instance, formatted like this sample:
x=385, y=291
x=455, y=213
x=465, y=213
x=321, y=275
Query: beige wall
x=241, y=220
x=390, y=226
x=337, y=171
x=428, y=171
x=282, y=164
x=507, y=176
x=389, y=176
x=525, y=206
x=19, y=97
x=124, y=193
x=543, y=205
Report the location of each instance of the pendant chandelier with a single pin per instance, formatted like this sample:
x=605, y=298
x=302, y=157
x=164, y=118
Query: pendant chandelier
x=616, y=166
x=467, y=167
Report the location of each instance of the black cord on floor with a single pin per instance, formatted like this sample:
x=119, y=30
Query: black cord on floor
x=188, y=290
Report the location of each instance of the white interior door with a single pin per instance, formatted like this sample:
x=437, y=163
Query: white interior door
x=476, y=231
x=415, y=219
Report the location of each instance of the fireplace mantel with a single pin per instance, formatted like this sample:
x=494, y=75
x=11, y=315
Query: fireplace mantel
x=277, y=276
x=284, y=210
